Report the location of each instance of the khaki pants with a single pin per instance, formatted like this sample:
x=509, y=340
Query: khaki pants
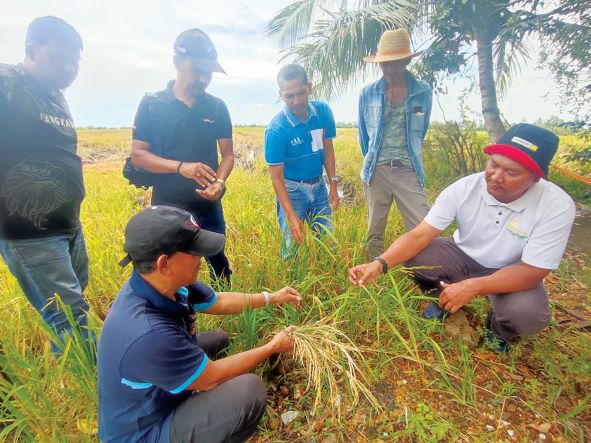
x=516, y=314
x=390, y=184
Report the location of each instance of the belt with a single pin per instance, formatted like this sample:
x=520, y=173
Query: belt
x=311, y=181
x=395, y=164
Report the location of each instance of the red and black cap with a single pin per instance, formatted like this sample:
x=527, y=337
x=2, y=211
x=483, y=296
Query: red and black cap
x=529, y=145
x=165, y=230
x=198, y=47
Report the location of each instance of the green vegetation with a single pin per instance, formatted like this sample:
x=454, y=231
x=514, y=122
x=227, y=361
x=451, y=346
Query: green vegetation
x=430, y=386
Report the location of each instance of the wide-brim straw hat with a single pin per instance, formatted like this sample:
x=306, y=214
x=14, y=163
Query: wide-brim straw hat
x=393, y=45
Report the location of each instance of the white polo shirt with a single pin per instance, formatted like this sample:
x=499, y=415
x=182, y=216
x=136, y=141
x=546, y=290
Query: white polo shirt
x=533, y=229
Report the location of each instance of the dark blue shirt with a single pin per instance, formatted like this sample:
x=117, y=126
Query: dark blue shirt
x=41, y=186
x=297, y=145
x=178, y=132
x=147, y=357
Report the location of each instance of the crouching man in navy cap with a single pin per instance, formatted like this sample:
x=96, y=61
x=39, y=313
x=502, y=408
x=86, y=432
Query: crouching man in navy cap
x=158, y=380
x=512, y=229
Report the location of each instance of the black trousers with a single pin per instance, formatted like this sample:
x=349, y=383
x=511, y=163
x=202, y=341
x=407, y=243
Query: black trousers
x=229, y=412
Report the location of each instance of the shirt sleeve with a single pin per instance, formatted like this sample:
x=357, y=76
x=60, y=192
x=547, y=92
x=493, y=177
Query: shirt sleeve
x=166, y=359
x=275, y=147
x=445, y=208
x=142, y=124
x=224, y=122
x=330, y=128
x=201, y=296
x=547, y=242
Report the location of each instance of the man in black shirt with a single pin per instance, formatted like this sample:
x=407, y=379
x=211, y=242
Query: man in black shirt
x=41, y=186
x=176, y=136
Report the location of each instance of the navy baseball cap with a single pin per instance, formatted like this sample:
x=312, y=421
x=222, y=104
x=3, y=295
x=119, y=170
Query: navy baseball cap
x=529, y=145
x=198, y=47
x=165, y=230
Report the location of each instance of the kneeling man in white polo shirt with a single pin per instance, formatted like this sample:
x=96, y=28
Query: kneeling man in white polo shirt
x=512, y=229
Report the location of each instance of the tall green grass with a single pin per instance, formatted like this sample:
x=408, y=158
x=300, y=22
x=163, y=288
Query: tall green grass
x=43, y=398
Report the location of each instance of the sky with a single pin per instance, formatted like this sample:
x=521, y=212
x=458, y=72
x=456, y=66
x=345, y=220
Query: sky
x=128, y=52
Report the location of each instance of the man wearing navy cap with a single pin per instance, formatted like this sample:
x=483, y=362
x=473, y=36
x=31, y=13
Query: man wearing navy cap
x=158, y=380
x=176, y=135
x=512, y=229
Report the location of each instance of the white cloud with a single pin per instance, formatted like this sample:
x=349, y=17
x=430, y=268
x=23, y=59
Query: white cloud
x=128, y=51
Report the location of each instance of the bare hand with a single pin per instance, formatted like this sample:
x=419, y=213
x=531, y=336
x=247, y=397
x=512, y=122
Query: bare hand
x=281, y=342
x=333, y=196
x=213, y=192
x=199, y=172
x=361, y=275
x=297, y=229
x=456, y=295
x=285, y=295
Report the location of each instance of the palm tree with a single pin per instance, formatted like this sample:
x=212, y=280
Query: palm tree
x=329, y=38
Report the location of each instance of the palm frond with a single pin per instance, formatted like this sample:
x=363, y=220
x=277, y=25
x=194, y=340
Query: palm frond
x=291, y=22
x=333, y=50
x=510, y=54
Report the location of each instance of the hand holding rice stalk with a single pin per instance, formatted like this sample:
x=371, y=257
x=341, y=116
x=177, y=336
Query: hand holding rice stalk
x=327, y=353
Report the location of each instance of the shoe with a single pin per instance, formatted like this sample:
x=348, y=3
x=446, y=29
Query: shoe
x=434, y=312
x=495, y=343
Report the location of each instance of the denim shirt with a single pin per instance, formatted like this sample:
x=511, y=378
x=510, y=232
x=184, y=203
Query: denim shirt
x=371, y=111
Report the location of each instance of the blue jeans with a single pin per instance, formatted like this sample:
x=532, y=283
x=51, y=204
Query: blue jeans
x=310, y=203
x=48, y=266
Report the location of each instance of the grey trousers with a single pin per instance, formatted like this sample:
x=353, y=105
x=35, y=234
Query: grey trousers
x=229, y=412
x=516, y=314
x=389, y=184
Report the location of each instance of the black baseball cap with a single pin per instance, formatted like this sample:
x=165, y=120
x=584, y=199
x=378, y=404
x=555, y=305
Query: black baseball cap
x=197, y=46
x=165, y=230
x=529, y=145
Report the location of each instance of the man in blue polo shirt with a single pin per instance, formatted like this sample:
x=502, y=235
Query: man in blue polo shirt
x=159, y=381
x=298, y=143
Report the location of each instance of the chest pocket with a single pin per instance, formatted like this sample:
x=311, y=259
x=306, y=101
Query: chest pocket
x=317, y=136
x=371, y=116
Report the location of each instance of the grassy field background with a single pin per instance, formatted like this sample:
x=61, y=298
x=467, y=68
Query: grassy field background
x=435, y=382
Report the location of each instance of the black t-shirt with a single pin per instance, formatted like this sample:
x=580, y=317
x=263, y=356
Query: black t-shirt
x=41, y=185
x=178, y=132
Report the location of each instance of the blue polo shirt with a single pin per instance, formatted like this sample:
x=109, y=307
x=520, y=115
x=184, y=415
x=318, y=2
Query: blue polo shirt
x=298, y=145
x=147, y=357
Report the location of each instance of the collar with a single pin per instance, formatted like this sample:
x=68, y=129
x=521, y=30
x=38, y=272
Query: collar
x=518, y=205
x=294, y=121
x=414, y=87
x=141, y=288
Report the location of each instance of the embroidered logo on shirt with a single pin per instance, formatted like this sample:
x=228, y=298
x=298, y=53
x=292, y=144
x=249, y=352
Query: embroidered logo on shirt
x=513, y=228
x=207, y=120
x=296, y=141
x=525, y=143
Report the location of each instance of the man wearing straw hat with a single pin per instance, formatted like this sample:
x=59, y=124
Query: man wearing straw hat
x=394, y=116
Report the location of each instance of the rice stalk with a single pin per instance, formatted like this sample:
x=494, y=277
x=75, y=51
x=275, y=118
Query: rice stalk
x=329, y=356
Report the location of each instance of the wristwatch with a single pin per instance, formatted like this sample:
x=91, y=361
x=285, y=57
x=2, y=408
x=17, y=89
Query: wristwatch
x=221, y=181
x=335, y=179
x=384, y=264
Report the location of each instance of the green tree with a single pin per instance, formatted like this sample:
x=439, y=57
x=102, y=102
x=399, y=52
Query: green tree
x=331, y=37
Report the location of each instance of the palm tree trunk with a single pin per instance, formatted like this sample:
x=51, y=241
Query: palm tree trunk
x=488, y=92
